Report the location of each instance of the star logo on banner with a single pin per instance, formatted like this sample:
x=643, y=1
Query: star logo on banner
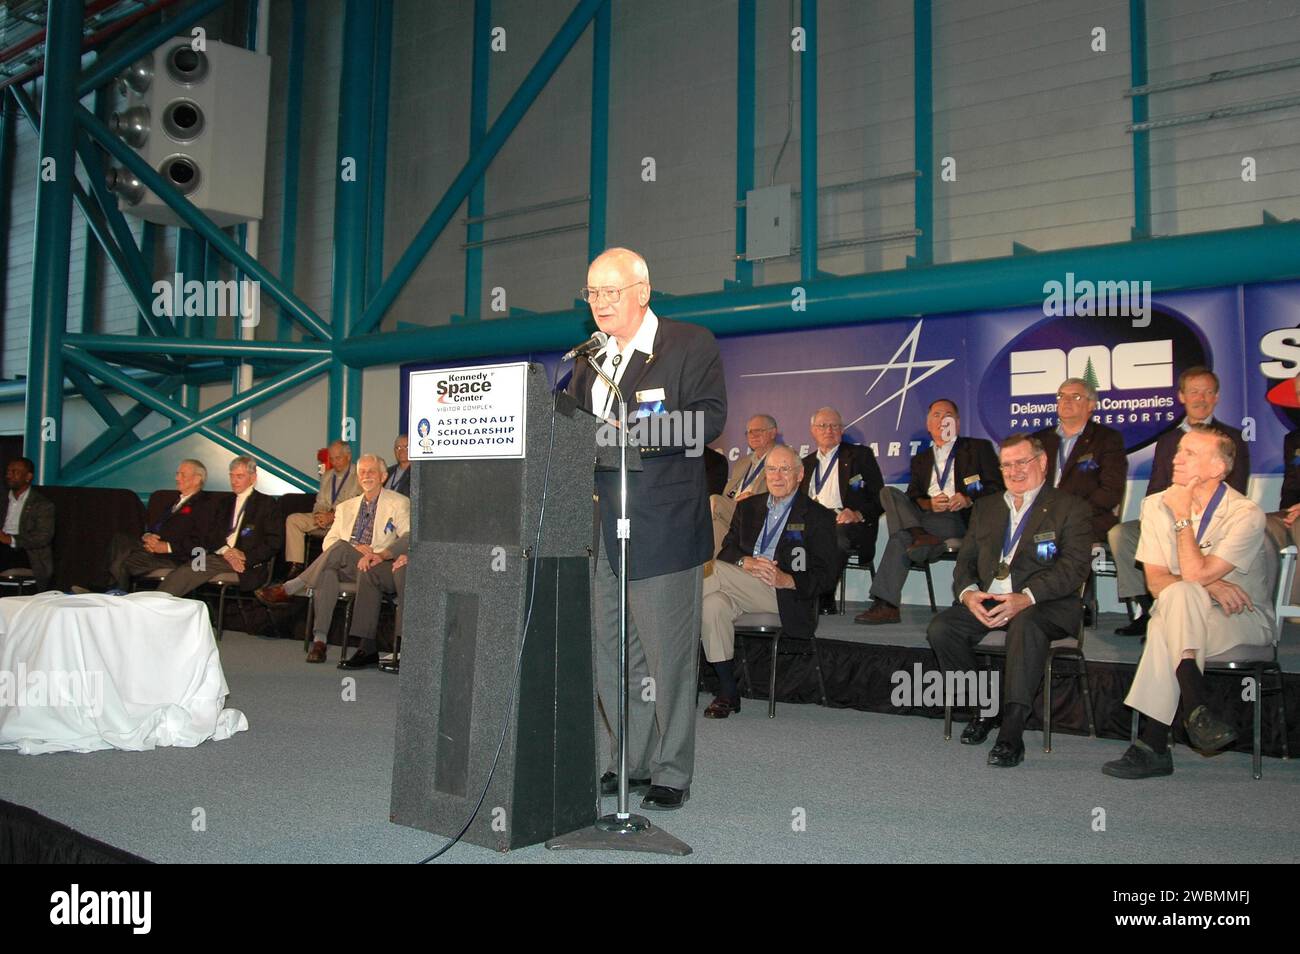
x=908, y=367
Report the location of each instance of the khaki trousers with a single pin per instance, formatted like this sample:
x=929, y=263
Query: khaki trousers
x=296, y=528
x=730, y=592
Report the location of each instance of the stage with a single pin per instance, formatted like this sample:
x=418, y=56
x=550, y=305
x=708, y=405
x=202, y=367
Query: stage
x=309, y=782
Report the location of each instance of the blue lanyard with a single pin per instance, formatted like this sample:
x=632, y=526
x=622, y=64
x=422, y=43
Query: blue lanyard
x=947, y=467
x=820, y=478
x=768, y=535
x=755, y=468
x=1009, y=540
x=334, y=484
x=1209, y=511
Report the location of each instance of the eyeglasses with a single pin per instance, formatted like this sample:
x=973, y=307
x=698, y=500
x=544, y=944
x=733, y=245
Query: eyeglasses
x=828, y=427
x=759, y=430
x=611, y=295
x=1075, y=396
x=1016, y=465
x=784, y=471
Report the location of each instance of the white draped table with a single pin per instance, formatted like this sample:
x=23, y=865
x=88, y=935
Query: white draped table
x=91, y=672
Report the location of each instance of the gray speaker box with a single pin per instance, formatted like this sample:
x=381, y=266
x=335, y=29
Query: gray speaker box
x=474, y=560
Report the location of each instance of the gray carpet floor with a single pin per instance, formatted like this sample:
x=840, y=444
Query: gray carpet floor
x=309, y=783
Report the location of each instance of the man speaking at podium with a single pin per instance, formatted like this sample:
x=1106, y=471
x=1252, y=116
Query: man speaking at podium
x=672, y=370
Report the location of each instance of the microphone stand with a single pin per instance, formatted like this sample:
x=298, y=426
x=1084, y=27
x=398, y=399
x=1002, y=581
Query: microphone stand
x=621, y=831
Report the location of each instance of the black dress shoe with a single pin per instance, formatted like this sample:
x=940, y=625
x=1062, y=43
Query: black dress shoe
x=1007, y=754
x=721, y=707
x=394, y=667
x=661, y=798
x=829, y=606
x=360, y=660
x=609, y=784
x=977, y=730
x=1140, y=761
x=1136, y=628
x=1207, y=732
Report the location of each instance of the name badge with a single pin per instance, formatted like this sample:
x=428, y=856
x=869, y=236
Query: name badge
x=971, y=480
x=650, y=395
x=794, y=526
x=1041, y=537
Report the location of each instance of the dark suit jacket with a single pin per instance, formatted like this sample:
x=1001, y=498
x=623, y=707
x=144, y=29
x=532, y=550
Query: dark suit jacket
x=856, y=464
x=261, y=535
x=1054, y=579
x=1096, y=471
x=35, y=534
x=1162, y=465
x=809, y=526
x=1290, y=470
x=668, y=501
x=403, y=485
x=189, y=527
x=975, y=458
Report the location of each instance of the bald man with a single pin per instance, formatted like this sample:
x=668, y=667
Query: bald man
x=672, y=369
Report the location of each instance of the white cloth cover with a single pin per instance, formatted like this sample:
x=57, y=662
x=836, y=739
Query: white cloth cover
x=91, y=672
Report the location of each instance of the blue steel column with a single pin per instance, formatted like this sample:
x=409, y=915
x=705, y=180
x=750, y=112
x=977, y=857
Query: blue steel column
x=745, y=77
x=480, y=80
x=90, y=253
x=598, y=178
x=378, y=178
x=923, y=130
x=348, y=296
x=292, y=152
x=1137, y=19
x=191, y=264
x=49, y=314
x=808, y=142
x=8, y=120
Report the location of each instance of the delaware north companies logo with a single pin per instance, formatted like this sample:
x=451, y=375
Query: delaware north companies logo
x=1134, y=369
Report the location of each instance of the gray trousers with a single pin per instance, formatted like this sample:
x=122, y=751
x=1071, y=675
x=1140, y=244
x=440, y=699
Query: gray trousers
x=127, y=557
x=1282, y=536
x=325, y=577
x=955, y=632
x=901, y=515
x=371, y=586
x=185, y=579
x=663, y=647
x=1130, y=581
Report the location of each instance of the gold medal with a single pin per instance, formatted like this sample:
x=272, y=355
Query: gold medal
x=1004, y=571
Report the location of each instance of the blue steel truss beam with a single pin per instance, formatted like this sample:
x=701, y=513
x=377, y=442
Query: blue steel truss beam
x=745, y=99
x=808, y=142
x=1137, y=13
x=1206, y=259
x=119, y=435
x=136, y=46
x=187, y=422
x=480, y=78
x=923, y=130
x=598, y=178
x=292, y=158
x=43, y=433
x=495, y=138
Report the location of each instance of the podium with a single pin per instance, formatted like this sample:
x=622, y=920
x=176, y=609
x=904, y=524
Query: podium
x=472, y=562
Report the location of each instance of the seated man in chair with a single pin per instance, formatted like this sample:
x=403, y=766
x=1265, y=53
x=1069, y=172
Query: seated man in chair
x=175, y=526
x=1212, y=571
x=380, y=572
x=947, y=479
x=846, y=479
x=778, y=556
x=28, y=533
x=245, y=537
x=1019, y=569
x=361, y=525
x=338, y=484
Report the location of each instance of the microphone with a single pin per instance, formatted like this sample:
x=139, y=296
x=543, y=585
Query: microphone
x=592, y=344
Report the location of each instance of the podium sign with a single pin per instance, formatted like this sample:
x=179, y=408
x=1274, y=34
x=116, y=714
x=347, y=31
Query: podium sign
x=468, y=413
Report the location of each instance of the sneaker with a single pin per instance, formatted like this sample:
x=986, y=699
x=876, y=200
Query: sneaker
x=1140, y=761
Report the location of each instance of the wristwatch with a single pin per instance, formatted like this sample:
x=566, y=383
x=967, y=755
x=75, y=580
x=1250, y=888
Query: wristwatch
x=741, y=563
x=1182, y=525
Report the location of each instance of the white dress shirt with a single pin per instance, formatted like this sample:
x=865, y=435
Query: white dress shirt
x=603, y=403
x=941, y=455
x=829, y=495
x=1015, y=516
x=241, y=501
x=15, y=514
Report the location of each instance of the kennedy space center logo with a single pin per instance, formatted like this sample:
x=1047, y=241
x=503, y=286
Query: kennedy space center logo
x=1134, y=369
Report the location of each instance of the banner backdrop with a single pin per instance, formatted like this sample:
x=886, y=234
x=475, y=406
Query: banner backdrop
x=1003, y=369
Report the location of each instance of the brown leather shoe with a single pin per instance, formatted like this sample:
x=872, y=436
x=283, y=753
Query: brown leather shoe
x=922, y=538
x=721, y=707
x=879, y=612
x=317, y=652
x=272, y=595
